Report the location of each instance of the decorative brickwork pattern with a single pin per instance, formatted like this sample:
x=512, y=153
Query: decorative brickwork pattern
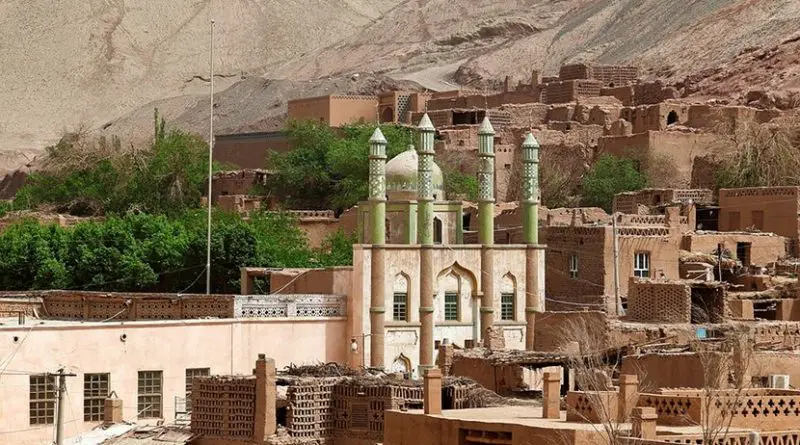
x=659, y=302
x=294, y=305
x=224, y=406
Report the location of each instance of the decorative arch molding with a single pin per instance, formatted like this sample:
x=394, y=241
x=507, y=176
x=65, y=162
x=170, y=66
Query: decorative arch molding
x=401, y=282
x=401, y=364
x=461, y=272
x=508, y=283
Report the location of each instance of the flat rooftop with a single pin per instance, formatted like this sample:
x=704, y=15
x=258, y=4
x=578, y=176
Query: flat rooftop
x=532, y=416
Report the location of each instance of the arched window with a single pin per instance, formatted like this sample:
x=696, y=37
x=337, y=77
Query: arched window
x=508, y=297
x=437, y=231
x=400, y=298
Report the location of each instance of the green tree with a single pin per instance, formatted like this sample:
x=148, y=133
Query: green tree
x=609, y=176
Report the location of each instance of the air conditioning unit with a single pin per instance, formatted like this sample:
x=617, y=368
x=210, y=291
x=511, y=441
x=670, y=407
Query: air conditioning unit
x=779, y=381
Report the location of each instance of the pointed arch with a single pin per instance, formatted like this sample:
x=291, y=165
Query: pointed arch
x=456, y=284
x=459, y=270
x=400, y=288
x=401, y=364
x=508, y=297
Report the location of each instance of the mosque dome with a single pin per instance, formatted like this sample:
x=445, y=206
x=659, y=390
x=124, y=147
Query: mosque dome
x=402, y=175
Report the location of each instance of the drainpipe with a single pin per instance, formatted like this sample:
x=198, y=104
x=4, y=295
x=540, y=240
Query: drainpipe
x=530, y=231
x=486, y=224
x=425, y=154
x=377, y=204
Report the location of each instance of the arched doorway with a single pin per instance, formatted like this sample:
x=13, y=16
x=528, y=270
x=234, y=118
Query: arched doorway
x=401, y=364
x=672, y=118
x=387, y=115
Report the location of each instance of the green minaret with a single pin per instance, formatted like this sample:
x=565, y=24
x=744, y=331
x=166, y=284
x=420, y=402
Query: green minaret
x=530, y=190
x=486, y=183
x=425, y=181
x=377, y=187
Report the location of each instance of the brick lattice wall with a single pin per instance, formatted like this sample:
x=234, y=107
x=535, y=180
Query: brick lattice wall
x=224, y=406
x=659, y=302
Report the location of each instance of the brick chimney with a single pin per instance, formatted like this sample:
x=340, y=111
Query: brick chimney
x=112, y=410
x=432, y=391
x=551, y=396
x=266, y=399
x=643, y=423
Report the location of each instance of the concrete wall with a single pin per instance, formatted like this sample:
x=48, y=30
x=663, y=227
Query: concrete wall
x=224, y=346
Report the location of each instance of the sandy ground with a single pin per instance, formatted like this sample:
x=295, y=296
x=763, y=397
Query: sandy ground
x=107, y=63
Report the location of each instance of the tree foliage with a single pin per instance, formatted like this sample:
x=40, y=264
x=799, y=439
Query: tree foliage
x=85, y=175
x=329, y=169
x=156, y=253
x=609, y=176
x=758, y=155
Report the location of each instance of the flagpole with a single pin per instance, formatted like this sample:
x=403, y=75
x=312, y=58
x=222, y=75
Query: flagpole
x=210, y=160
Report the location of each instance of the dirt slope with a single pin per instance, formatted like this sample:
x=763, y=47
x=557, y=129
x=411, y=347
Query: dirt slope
x=104, y=62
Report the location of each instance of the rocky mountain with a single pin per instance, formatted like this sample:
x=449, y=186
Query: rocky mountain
x=105, y=64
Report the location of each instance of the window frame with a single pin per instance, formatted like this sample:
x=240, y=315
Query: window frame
x=96, y=388
x=42, y=395
x=573, y=266
x=508, y=306
x=641, y=270
x=145, y=408
x=448, y=306
x=400, y=304
x=190, y=374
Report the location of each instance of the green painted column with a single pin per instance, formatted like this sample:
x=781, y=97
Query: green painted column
x=529, y=201
x=425, y=155
x=486, y=183
x=377, y=202
x=377, y=187
x=486, y=225
x=530, y=190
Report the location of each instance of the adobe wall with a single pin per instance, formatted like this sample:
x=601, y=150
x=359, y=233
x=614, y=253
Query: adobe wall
x=415, y=428
x=589, y=244
x=662, y=302
x=549, y=327
x=346, y=110
x=609, y=75
x=624, y=93
x=764, y=249
x=332, y=280
x=526, y=115
x=653, y=92
x=570, y=90
x=685, y=370
x=664, y=253
x=317, y=230
x=778, y=207
x=249, y=151
x=630, y=202
x=224, y=406
x=311, y=108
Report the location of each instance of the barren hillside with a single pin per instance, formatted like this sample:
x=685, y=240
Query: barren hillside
x=102, y=62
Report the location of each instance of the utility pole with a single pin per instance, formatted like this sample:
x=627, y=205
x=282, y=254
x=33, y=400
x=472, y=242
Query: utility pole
x=62, y=388
x=719, y=261
x=617, y=301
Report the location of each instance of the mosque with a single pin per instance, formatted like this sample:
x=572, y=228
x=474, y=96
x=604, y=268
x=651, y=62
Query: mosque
x=414, y=281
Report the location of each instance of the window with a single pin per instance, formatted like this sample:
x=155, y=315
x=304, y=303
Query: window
x=758, y=219
x=450, y=306
x=437, y=231
x=641, y=265
x=190, y=374
x=42, y=393
x=149, y=394
x=506, y=306
x=400, y=308
x=95, y=391
x=573, y=266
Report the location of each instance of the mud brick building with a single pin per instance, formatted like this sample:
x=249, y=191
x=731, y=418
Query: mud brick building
x=767, y=209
